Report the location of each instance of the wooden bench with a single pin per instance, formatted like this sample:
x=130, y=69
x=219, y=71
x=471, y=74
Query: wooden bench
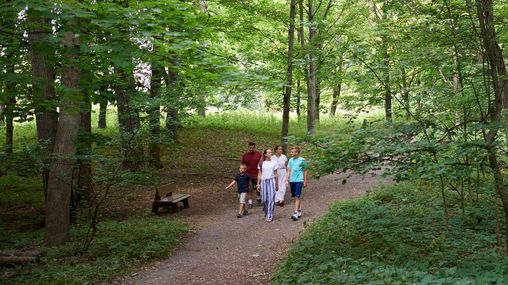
x=166, y=197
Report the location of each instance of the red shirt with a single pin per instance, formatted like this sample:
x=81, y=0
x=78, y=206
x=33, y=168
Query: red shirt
x=251, y=159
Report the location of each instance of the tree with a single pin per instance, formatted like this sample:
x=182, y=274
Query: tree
x=155, y=117
x=8, y=98
x=494, y=54
x=62, y=163
x=312, y=71
x=43, y=81
x=289, y=76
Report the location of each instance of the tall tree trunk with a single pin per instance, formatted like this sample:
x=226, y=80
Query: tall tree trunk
x=317, y=102
x=311, y=90
x=9, y=128
x=172, y=120
x=337, y=89
x=203, y=8
x=494, y=54
x=385, y=60
x=319, y=57
x=128, y=122
x=154, y=117
x=317, y=107
x=298, y=97
x=84, y=151
x=43, y=85
x=335, y=99
x=62, y=163
x=386, y=80
x=405, y=92
x=10, y=90
x=2, y=114
x=289, y=76
x=103, y=109
x=301, y=39
x=8, y=19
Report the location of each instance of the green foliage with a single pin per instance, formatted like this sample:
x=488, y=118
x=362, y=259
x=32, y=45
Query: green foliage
x=19, y=189
x=270, y=123
x=118, y=247
x=395, y=236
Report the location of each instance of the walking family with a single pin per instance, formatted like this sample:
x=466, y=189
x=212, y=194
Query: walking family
x=268, y=175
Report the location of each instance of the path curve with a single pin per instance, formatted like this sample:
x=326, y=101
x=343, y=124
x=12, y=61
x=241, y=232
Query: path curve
x=227, y=250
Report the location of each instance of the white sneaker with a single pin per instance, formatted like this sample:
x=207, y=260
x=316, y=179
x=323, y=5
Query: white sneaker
x=295, y=216
x=299, y=213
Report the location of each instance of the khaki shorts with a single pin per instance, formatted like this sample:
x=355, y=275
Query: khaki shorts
x=242, y=197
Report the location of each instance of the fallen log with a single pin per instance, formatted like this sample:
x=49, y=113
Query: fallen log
x=13, y=252
x=16, y=260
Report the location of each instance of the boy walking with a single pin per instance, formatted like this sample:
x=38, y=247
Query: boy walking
x=242, y=181
x=296, y=179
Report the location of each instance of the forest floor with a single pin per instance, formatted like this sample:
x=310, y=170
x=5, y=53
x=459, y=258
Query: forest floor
x=223, y=249
x=220, y=248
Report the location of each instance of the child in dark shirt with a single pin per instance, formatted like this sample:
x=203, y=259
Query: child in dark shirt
x=242, y=180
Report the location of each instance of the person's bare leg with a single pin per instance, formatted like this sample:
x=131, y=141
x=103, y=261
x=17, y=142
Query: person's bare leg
x=297, y=204
x=250, y=196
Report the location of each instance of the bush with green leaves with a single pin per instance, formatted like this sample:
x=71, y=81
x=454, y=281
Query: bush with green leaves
x=116, y=249
x=395, y=236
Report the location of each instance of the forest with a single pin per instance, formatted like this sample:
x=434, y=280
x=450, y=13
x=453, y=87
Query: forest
x=103, y=100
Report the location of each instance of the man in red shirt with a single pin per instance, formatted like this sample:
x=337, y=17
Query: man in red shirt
x=251, y=159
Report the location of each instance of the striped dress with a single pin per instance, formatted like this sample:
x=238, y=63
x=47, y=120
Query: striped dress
x=268, y=188
x=281, y=173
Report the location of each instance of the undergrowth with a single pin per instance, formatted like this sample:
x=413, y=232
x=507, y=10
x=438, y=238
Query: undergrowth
x=117, y=248
x=396, y=236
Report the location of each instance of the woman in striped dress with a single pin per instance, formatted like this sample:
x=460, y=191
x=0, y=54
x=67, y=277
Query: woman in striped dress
x=267, y=184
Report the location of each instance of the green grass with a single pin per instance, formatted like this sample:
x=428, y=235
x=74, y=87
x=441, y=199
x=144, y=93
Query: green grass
x=118, y=247
x=271, y=123
x=395, y=236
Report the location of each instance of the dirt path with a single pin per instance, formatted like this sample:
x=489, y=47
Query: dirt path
x=227, y=250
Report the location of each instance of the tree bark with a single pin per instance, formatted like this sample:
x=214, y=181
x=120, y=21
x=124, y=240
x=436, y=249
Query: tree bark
x=172, y=120
x=335, y=99
x=319, y=58
x=43, y=85
x=385, y=61
x=103, y=109
x=10, y=90
x=298, y=98
x=386, y=79
x=337, y=89
x=2, y=114
x=17, y=260
x=317, y=103
x=301, y=39
x=154, y=117
x=10, y=53
x=311, y=90
x=289, y=76
x=84, y=185
x=202, y=108
x=62, y=164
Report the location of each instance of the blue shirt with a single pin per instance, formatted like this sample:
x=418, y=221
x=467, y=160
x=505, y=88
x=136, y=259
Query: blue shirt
x=297, y=167
x=242, y=182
